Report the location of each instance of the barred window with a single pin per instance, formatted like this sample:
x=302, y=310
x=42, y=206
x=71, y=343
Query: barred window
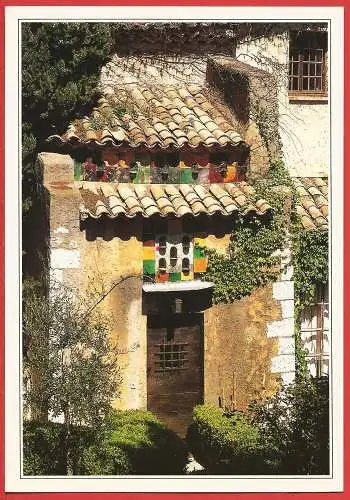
x=307, y=62
x=171, y=356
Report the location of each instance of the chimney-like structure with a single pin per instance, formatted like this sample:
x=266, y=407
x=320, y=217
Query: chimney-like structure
x=252, y=95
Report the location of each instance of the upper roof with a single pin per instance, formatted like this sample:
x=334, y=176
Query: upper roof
x=312, y=206
x=163, y=116
x=114, y=200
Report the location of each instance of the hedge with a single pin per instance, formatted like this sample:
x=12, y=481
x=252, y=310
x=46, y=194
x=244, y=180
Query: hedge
x=128, y=442
x=44, y=449
x=225, y=443
x=134, y=442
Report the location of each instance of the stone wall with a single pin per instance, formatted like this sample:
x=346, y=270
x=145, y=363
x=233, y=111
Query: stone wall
x=303, y=125
x=248, y=344
x=90, y=263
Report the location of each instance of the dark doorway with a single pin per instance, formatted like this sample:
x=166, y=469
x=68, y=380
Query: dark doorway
x=174, y=368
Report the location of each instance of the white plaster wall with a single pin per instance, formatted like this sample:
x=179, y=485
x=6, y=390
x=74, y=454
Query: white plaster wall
x=304, y=128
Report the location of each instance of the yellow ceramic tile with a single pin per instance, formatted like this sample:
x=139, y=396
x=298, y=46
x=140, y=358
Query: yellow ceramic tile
x=199, y=242
x=148, y=253
x=187, y=277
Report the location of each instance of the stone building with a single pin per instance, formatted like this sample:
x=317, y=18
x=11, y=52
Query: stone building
x=137, y=191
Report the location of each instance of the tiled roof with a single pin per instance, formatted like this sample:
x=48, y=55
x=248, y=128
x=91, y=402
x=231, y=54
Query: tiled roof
x=114, y=200
x=136, y=116
x=312, y=205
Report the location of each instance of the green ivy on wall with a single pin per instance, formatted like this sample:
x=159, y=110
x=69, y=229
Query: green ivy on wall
x=310, y=260
x=253, y=257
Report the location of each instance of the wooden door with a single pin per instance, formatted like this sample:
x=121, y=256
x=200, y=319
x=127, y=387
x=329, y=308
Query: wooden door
x=174, y=368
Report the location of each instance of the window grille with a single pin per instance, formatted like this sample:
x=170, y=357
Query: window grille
x=307, y=62
x=171, y=356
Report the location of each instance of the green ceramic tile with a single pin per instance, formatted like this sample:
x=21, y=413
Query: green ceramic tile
x=77, y=170
x=149, y=267
x=198, y=253
x=186, y=176
x=174, y=276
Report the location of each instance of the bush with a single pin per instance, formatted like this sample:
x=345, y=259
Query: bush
x=128, y=442
x=134, y=442
x=225, y=443
x=44, y=451
x=294, y=427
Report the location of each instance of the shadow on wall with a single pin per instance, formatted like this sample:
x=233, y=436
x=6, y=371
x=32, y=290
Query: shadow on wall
x=125, y=228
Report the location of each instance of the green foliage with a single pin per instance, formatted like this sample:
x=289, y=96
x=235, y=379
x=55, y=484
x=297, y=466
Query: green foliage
x=310, y=264
x=44, y=447
x=126, y=442
x=225, y=443
x=252, y=260
x=294, y=428
x=134, y=442
x=310, y=260
x=72, y=365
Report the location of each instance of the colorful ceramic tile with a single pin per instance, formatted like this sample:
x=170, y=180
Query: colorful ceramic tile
x=148, y=243
x=156, y=177
x=174, y=276
x=143, y=175
x=198, y=253
x=199, y=241
x=174, y=175
x=77, y=170
x=187, y=276
x=124, y=175
x=186, y=176
x=149, y=253
x=203, y=176
x=214, y=175
x=162, y=277
x=200, y=265
x=149, y=266
x=231, y=174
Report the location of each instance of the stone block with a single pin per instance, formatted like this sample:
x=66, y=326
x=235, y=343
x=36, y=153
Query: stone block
x=283, y=290
x=65, y=259
x=286, y=345
x=283, y=328
x=283, y=363
x=287, y=307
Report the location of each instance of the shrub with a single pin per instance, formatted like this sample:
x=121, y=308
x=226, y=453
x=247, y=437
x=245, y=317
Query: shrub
x=44, y=451
x=225, y=443
x=294, y=427
x=127, y=442
x=134, y=442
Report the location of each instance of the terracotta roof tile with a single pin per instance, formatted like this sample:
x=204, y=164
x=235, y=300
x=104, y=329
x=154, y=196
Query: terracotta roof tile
x=312, y=203
x=165, y=116
x=147, y=200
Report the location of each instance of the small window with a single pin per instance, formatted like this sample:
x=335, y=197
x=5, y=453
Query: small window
x=307, y=62
x=162, y=245
x=186, y=266
x=162, y=265
x=186, y=243
x=171, y=356
x=173, y=256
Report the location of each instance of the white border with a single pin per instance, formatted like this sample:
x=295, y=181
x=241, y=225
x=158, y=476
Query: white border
x=13, y=483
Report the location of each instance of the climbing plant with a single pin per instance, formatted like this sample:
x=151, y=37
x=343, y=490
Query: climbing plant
x=310, y=260
x=253, y=258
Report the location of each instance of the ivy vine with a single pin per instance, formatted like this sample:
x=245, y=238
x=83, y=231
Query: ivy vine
x=253, y=256
x=310, y=260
